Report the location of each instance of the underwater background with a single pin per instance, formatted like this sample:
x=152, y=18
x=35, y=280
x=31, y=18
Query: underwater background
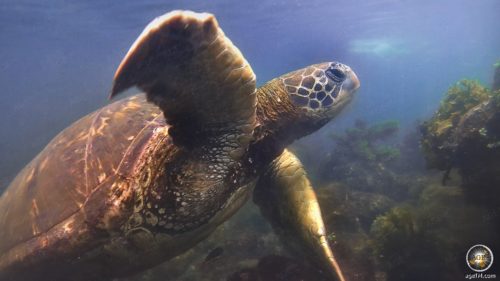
x=397, y=205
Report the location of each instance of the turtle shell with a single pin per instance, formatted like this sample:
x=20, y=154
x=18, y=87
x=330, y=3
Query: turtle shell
x=93, y=152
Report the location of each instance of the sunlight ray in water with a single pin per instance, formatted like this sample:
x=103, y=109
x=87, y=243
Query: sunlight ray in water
x=381, y=47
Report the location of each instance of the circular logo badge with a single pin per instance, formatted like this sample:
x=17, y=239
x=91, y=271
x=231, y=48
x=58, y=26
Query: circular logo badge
x=479, y=258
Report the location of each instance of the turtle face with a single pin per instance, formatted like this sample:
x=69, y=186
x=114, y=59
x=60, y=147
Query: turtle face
x=321, y=89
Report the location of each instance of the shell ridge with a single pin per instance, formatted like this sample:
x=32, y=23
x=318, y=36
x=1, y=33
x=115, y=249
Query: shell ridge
x=87, y=146
x=132, y=144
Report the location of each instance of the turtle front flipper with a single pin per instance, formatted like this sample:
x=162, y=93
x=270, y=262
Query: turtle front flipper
x=193, y=72
x=286, y=198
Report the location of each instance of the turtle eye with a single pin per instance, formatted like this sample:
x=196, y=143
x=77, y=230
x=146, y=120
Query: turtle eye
x=335, y=74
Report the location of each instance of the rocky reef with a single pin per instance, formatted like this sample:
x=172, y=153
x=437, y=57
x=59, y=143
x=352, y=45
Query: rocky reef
x=464, y=134
x=360, y=158
x=362, y=143
x=427, y=239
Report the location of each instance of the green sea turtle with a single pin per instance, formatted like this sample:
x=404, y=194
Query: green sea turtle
x=145, y=178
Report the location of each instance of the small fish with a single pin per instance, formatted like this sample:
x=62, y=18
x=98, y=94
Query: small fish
x=215, y=253
x=331, y=237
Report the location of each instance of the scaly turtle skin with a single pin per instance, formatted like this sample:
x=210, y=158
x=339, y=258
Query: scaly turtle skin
x=144, y=179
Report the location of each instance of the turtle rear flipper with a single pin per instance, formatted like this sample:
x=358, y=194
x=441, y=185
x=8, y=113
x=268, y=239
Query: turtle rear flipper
x=286, y=198
x=193, y=72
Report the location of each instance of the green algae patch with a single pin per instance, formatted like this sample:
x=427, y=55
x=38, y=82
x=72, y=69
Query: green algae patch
x=442, y=133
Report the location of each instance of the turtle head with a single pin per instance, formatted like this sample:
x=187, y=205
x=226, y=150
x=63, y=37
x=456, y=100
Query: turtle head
x=300, y=102
x=321, y=90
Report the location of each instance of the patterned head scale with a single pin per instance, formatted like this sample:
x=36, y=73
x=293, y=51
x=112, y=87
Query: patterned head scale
x=319, y=87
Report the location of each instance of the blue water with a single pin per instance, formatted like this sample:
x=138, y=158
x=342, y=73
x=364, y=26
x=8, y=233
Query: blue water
x=57, y=58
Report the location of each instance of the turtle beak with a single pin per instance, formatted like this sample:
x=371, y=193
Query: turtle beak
x=351, y=84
